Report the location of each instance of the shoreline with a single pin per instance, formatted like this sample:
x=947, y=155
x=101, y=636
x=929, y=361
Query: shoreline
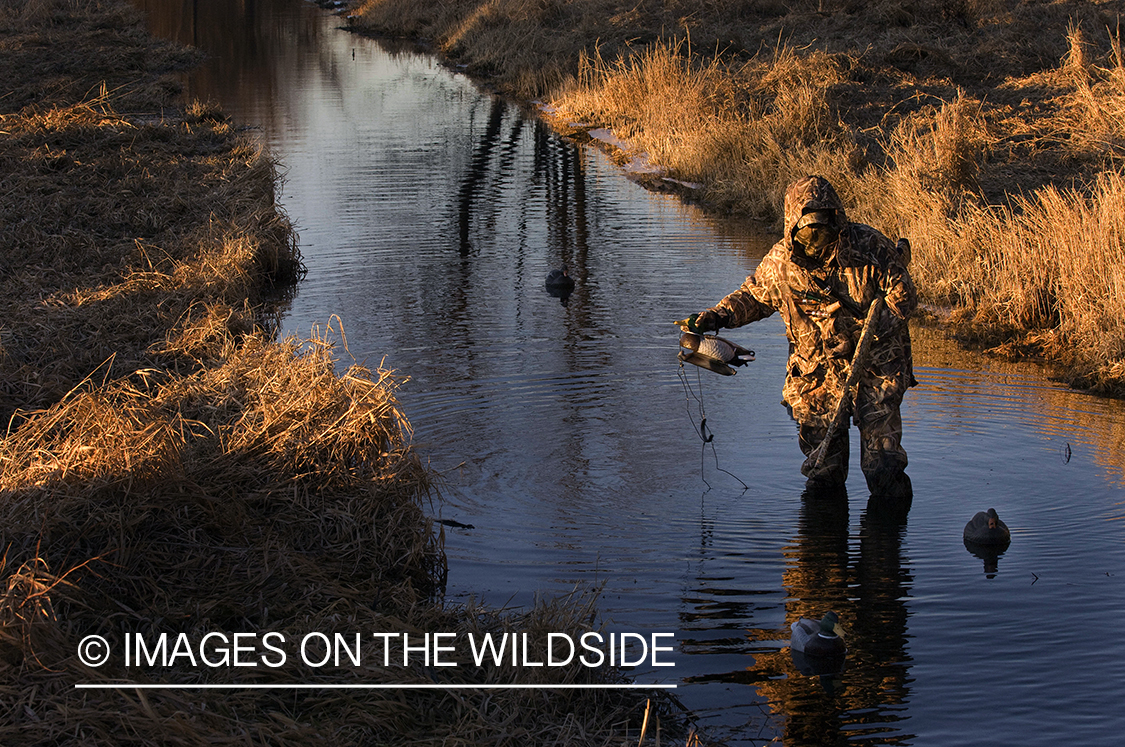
x=984, y=134
x=170, y=471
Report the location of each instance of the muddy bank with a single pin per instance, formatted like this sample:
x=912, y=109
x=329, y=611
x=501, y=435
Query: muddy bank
x=170, y=471
x=983, y=132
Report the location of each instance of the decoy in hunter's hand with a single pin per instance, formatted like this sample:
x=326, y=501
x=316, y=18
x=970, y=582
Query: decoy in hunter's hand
x=986, y=529
x=711, y=351
x=820, y=639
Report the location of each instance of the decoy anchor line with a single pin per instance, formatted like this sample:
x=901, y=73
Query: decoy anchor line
x=706, y=435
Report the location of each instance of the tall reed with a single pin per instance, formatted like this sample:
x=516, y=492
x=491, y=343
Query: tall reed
x=743, y=129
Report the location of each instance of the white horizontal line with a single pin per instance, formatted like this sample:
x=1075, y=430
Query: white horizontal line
x=309, y=686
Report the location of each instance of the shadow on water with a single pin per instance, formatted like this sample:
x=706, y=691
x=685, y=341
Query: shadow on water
x=473, y=193
x=556, y=168
x=430, y=215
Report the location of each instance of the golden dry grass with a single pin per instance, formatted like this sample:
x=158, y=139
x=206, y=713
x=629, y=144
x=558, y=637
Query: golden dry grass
x=126, y=238
x=742, y=129
x=927, y=115
x=268, y=493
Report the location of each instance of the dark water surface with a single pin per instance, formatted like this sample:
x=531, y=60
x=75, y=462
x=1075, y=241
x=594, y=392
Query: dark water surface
x=429, y=215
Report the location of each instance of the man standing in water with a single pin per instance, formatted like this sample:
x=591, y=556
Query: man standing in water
x=823, y=277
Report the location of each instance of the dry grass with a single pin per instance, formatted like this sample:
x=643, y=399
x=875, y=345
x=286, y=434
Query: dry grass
x=256, y=490
x=47, y=45
x=1051, y=268
x=925, y=114
x=743, y=131
x=168, y=468
x=125, y=238
x=1038, y=270
x=265, y=493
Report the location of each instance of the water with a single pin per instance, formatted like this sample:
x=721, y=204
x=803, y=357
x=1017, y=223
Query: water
x=429, y=215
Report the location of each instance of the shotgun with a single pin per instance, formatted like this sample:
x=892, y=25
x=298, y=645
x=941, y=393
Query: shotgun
x=843, y=406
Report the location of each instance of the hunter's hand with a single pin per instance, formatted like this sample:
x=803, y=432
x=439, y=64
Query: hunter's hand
x=709, y=321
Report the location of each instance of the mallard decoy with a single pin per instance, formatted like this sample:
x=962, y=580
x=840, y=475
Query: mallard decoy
x=986, y=529
x=820, y=639
x=559, y=280
x=713, y=353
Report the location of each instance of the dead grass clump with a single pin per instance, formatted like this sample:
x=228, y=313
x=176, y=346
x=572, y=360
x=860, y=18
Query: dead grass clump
x=244, y=497
x=123, y=237
x=1092, y=117
x=25, y=603
x=786, y=128
x=269, y=450
x=743, y=129
x=941, y=151
x=657, y=98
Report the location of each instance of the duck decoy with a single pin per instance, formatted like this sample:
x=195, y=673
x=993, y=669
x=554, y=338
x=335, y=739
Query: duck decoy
x=986, y=529
x=713, y=353
x=819, y=639
x=560, y=280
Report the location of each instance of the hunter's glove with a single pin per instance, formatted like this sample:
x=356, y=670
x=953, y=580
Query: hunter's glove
x=710, y=321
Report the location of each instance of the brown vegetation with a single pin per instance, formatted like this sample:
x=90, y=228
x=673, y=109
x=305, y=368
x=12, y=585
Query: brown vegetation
x=982, y=131
x=167, y=468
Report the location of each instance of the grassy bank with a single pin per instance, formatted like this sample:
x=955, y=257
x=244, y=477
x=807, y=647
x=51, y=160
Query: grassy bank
x=989, y=133
x=168, y=468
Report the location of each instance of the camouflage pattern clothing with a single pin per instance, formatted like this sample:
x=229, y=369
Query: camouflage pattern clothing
x=813, y=294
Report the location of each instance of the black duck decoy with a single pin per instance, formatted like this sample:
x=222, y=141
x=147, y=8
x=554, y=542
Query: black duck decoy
x=818, y=638
x=560, y=280
x=986, y=529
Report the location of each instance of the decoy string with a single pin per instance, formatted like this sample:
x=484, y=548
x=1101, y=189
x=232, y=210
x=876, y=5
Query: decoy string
x=705, y=434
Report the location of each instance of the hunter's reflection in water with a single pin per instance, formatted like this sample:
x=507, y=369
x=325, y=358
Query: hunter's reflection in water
x=865, y=580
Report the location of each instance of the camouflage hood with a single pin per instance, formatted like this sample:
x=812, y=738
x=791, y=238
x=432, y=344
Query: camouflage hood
x=804, y=196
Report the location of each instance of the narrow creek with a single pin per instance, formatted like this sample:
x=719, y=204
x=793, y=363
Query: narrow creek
x=566, y=434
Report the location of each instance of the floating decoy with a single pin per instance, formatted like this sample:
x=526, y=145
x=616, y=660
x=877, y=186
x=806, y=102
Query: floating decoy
x=713, y=353
x=986, y=529
x=820, y=639
x=560, y=280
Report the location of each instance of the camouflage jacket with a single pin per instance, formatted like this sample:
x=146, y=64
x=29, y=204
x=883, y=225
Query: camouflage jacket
x=822, y=333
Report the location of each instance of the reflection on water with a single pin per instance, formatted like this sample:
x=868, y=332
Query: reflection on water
x=1000, y=389
x=867, y=587
x=430, y=215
